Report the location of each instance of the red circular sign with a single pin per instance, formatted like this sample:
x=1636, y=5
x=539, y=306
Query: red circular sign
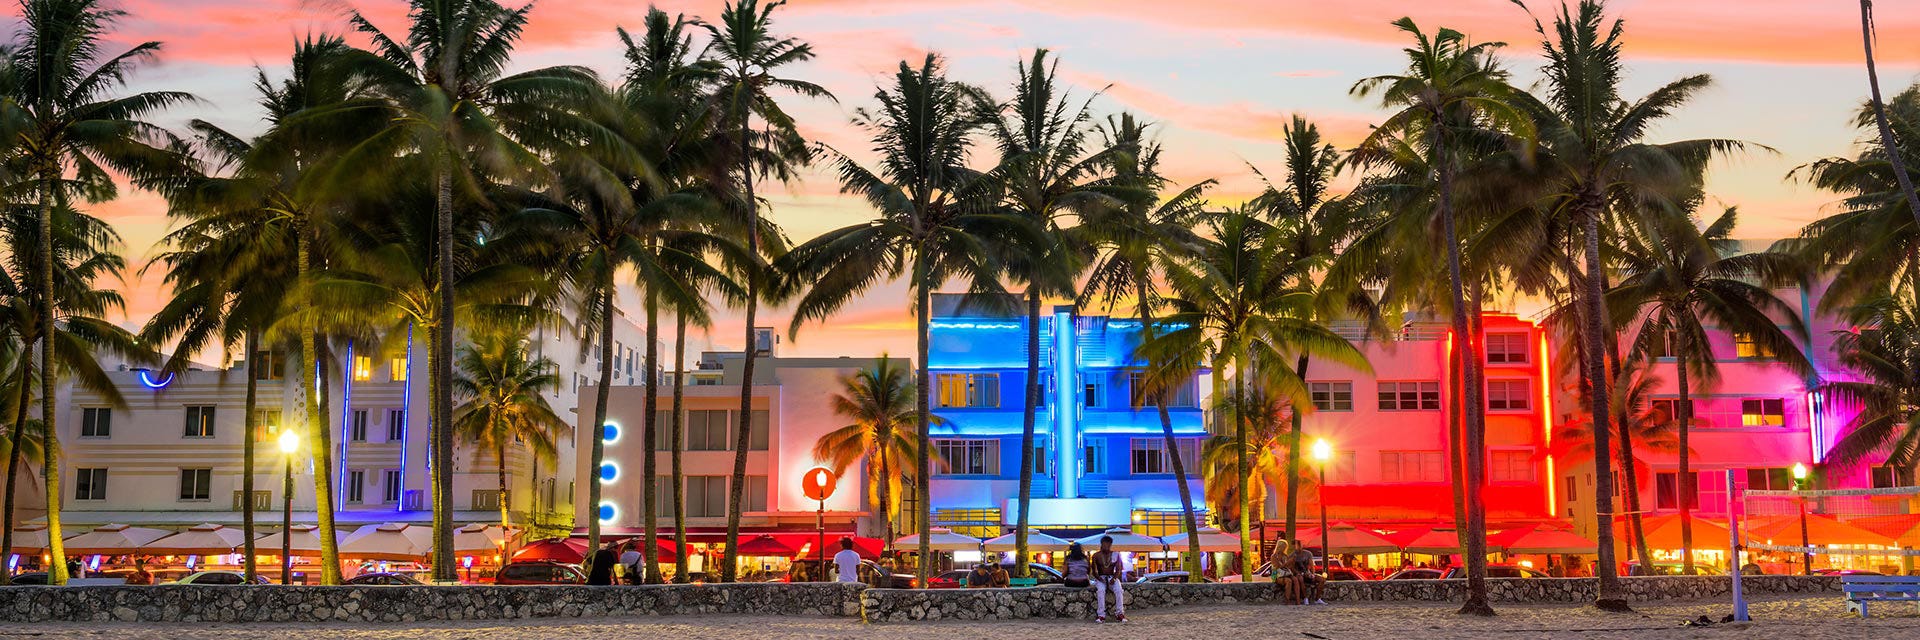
x=818, y=483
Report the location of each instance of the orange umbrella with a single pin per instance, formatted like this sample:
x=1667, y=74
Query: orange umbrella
x=1541, y=540
x=765, y=546
x=1904, y=527
x=1344, y=538
x=1431, y=541
x=1821, y=529
x=1663, y=532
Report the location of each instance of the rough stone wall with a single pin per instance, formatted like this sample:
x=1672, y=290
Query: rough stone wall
x=412, y=604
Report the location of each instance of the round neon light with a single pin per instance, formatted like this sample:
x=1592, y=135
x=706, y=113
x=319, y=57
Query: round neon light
x=146, y=378
x=610, y=432
x=608, y=472
x=608, y=511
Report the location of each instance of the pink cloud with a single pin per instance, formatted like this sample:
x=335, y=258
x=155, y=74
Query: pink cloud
x=1239, y=119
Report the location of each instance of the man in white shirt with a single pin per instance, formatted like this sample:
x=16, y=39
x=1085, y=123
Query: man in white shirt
x=630, y=562
x=847, y=562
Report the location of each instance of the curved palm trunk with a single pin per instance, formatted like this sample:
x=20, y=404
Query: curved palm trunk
x=442, y=401
x=1474, y=421
x=1887, y=143
x=50, y=447
x=17, y=438
x=677, y=438
x=247, y=447
x=1187, y=523
x=1293, y=458
x=923, y=468
x=318, y=435
x=1241, y=469
x=1028, y=416
x=649, y=467
x=604, y=308
x=1684, y=413
x=736, y=488
x=1611, y=596
x=1635, y=522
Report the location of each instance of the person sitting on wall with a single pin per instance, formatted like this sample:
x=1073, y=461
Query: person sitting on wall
x=980, y=577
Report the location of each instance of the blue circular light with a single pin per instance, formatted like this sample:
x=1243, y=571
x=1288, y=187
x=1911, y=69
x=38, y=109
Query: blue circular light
x=608, y=472
x=146, y=378
x=608, y=511
x=610, y=432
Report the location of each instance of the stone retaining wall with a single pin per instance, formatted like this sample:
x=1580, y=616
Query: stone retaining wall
x=181, y=603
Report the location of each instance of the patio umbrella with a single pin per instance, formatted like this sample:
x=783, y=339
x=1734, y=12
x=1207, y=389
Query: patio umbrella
x=561, y=550
x=1822, y=529
x=941, y=540
x=201, y=540
x=393, y=541
x=1124, y=540
x=29, y=539
x=1211, y=539
x=305, y=544
x=112, y=540
x=1540, y=540
x=766, y=546
x=1343, y=537
x=1663, y=532
x=1437, y=542
x=1903, y=527
x=474, y=540
x=1036, y=541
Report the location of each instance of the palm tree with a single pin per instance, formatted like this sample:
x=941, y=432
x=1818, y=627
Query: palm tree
x=72, y=129
x=1636, y=418
x=460, y=109
x=751, y=58
x=1045, y=173
x=1236, y=305
x=1450, y=88
x=880, y=403
x=1885, y=350
x=1266, y=451
x=504, y=404
x=1870, y=244
x=933, y=224
x=1888, y=143
x=1683, y=279
x=1135, y=242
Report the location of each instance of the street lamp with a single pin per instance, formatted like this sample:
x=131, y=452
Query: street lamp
x=1323, y=454
x=1806, y=549
x=289, y=444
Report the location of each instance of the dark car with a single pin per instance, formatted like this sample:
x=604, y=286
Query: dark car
x=1338, y=573
x=34, y=578
x=949, y=579
x=1415, y=574
x=382, y=580
x=1176, y=577
x=1846, y=572
x=1042, y=575
x=539, y=572
x=1497, y=571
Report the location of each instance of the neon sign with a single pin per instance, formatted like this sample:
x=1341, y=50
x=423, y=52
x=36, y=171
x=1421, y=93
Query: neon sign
x=146, y=378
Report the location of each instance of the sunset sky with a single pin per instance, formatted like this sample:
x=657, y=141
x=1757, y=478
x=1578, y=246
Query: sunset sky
x=1220, y=76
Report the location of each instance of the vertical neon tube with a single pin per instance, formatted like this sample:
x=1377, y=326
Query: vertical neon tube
x=346, y=419
x=1066, y=440
x=1814, y=435
x=406, y=415
x=1546, y=425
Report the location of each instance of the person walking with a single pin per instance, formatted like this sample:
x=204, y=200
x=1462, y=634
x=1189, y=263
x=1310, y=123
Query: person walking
x=1079, y=570
x=846, y=562
x=1106, y=579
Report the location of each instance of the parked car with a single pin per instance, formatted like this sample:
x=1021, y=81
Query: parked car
x=869, y=572
x=539, y=572
x=1415, y=574
x=30, y=578
x=1846, y=572
x=1668, y=569
x=1340, y=573
x=1176, y=577
x=33, y=578
x=1042, y=575
x=1496, y=571
x=219, y=578
x=383, y=579
x=1265, y=572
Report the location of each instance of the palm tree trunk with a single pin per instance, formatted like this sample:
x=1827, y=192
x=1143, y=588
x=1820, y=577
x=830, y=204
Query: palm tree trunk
x=1635, y=523
x=1475, y=454
x=500, y=478
x=1241, y=469
x=1028, y=416
x=1887, y=143
x=923, y=308
x=1684, y=412
x=1297, y=421
x=318, y=437
x=50, y=446
x=885, y=490
x=1611, y=597
x=442, y=401
x=736, y=489
x=17, y=438
x=1188, y=524
x=1456, y=418
x=603, y=307
x=247, y=447
x=677, y=439
x=648, y=500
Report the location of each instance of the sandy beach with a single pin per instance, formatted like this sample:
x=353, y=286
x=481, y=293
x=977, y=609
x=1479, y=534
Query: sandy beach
x=1813, y=617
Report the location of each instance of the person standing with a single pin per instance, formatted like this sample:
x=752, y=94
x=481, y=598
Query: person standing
x=847, y=562
x=1106, y=579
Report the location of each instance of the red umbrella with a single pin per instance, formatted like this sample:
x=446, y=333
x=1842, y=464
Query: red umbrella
x=564, y=551
x=765, y=546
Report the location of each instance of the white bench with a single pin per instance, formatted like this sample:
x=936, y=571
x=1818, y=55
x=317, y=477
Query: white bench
x=1864, y=590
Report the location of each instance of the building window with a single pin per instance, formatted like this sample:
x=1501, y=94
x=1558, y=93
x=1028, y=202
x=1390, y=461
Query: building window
x=1884, y=477
x=706, y=496
x=963, y=390
x=756, y=493
x=707, y=430
x=1507, y=348
x=199, y=422
x=266, y=424
x=1410, y=396
x=1343, y=469
x=96, y=422
x=1666, y=494
x=1180, y=396
x=1510, y=466
x=1148, y=456
x=396, y=425
x=390, y=484
x=1745, y=346
x=757, y=436
x=1670, y=408
x=90, y=484
x=1763, y=412
x=1773, y=479
x=265, y=366
x=362, y=368
x=196, y=485
x=1507, y=395
x=1573, y=489
x=1666, y=345
x=967, y=457
x=358, y=431
x=397, y=369
x=1095, y=460
x=1332, y=396
x=1412, y=466
x=356, y=486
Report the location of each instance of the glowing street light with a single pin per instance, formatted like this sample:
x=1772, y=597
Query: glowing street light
x=1323, y=454
x=289, y=445
x=1806, y=550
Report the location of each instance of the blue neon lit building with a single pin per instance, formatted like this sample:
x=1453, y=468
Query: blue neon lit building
x=1102, y=462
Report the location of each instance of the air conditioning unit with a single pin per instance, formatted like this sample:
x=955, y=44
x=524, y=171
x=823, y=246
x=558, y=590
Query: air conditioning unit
x=413, y=500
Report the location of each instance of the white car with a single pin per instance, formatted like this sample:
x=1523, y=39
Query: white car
x=221, y=578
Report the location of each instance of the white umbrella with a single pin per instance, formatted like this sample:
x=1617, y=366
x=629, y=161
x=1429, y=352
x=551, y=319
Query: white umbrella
x=940, y=540
x=1123, y=540
x=29, y=538
x=1211, y=539
x=112, y=540
x=391, y=541
x=202, y=540
x=306, y=541
x=1036, y=541
x=477, y=539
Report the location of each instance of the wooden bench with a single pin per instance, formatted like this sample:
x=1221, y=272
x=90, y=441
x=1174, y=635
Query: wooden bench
x=1864, y=590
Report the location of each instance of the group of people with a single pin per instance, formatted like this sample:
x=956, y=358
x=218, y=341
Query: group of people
x=1294, y=575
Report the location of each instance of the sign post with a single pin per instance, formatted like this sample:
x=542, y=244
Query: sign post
x=818, y=484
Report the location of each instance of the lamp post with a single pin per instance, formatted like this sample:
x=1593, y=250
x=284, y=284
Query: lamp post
x=289, y=443
x=1323, y=454
x=1806, y=549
